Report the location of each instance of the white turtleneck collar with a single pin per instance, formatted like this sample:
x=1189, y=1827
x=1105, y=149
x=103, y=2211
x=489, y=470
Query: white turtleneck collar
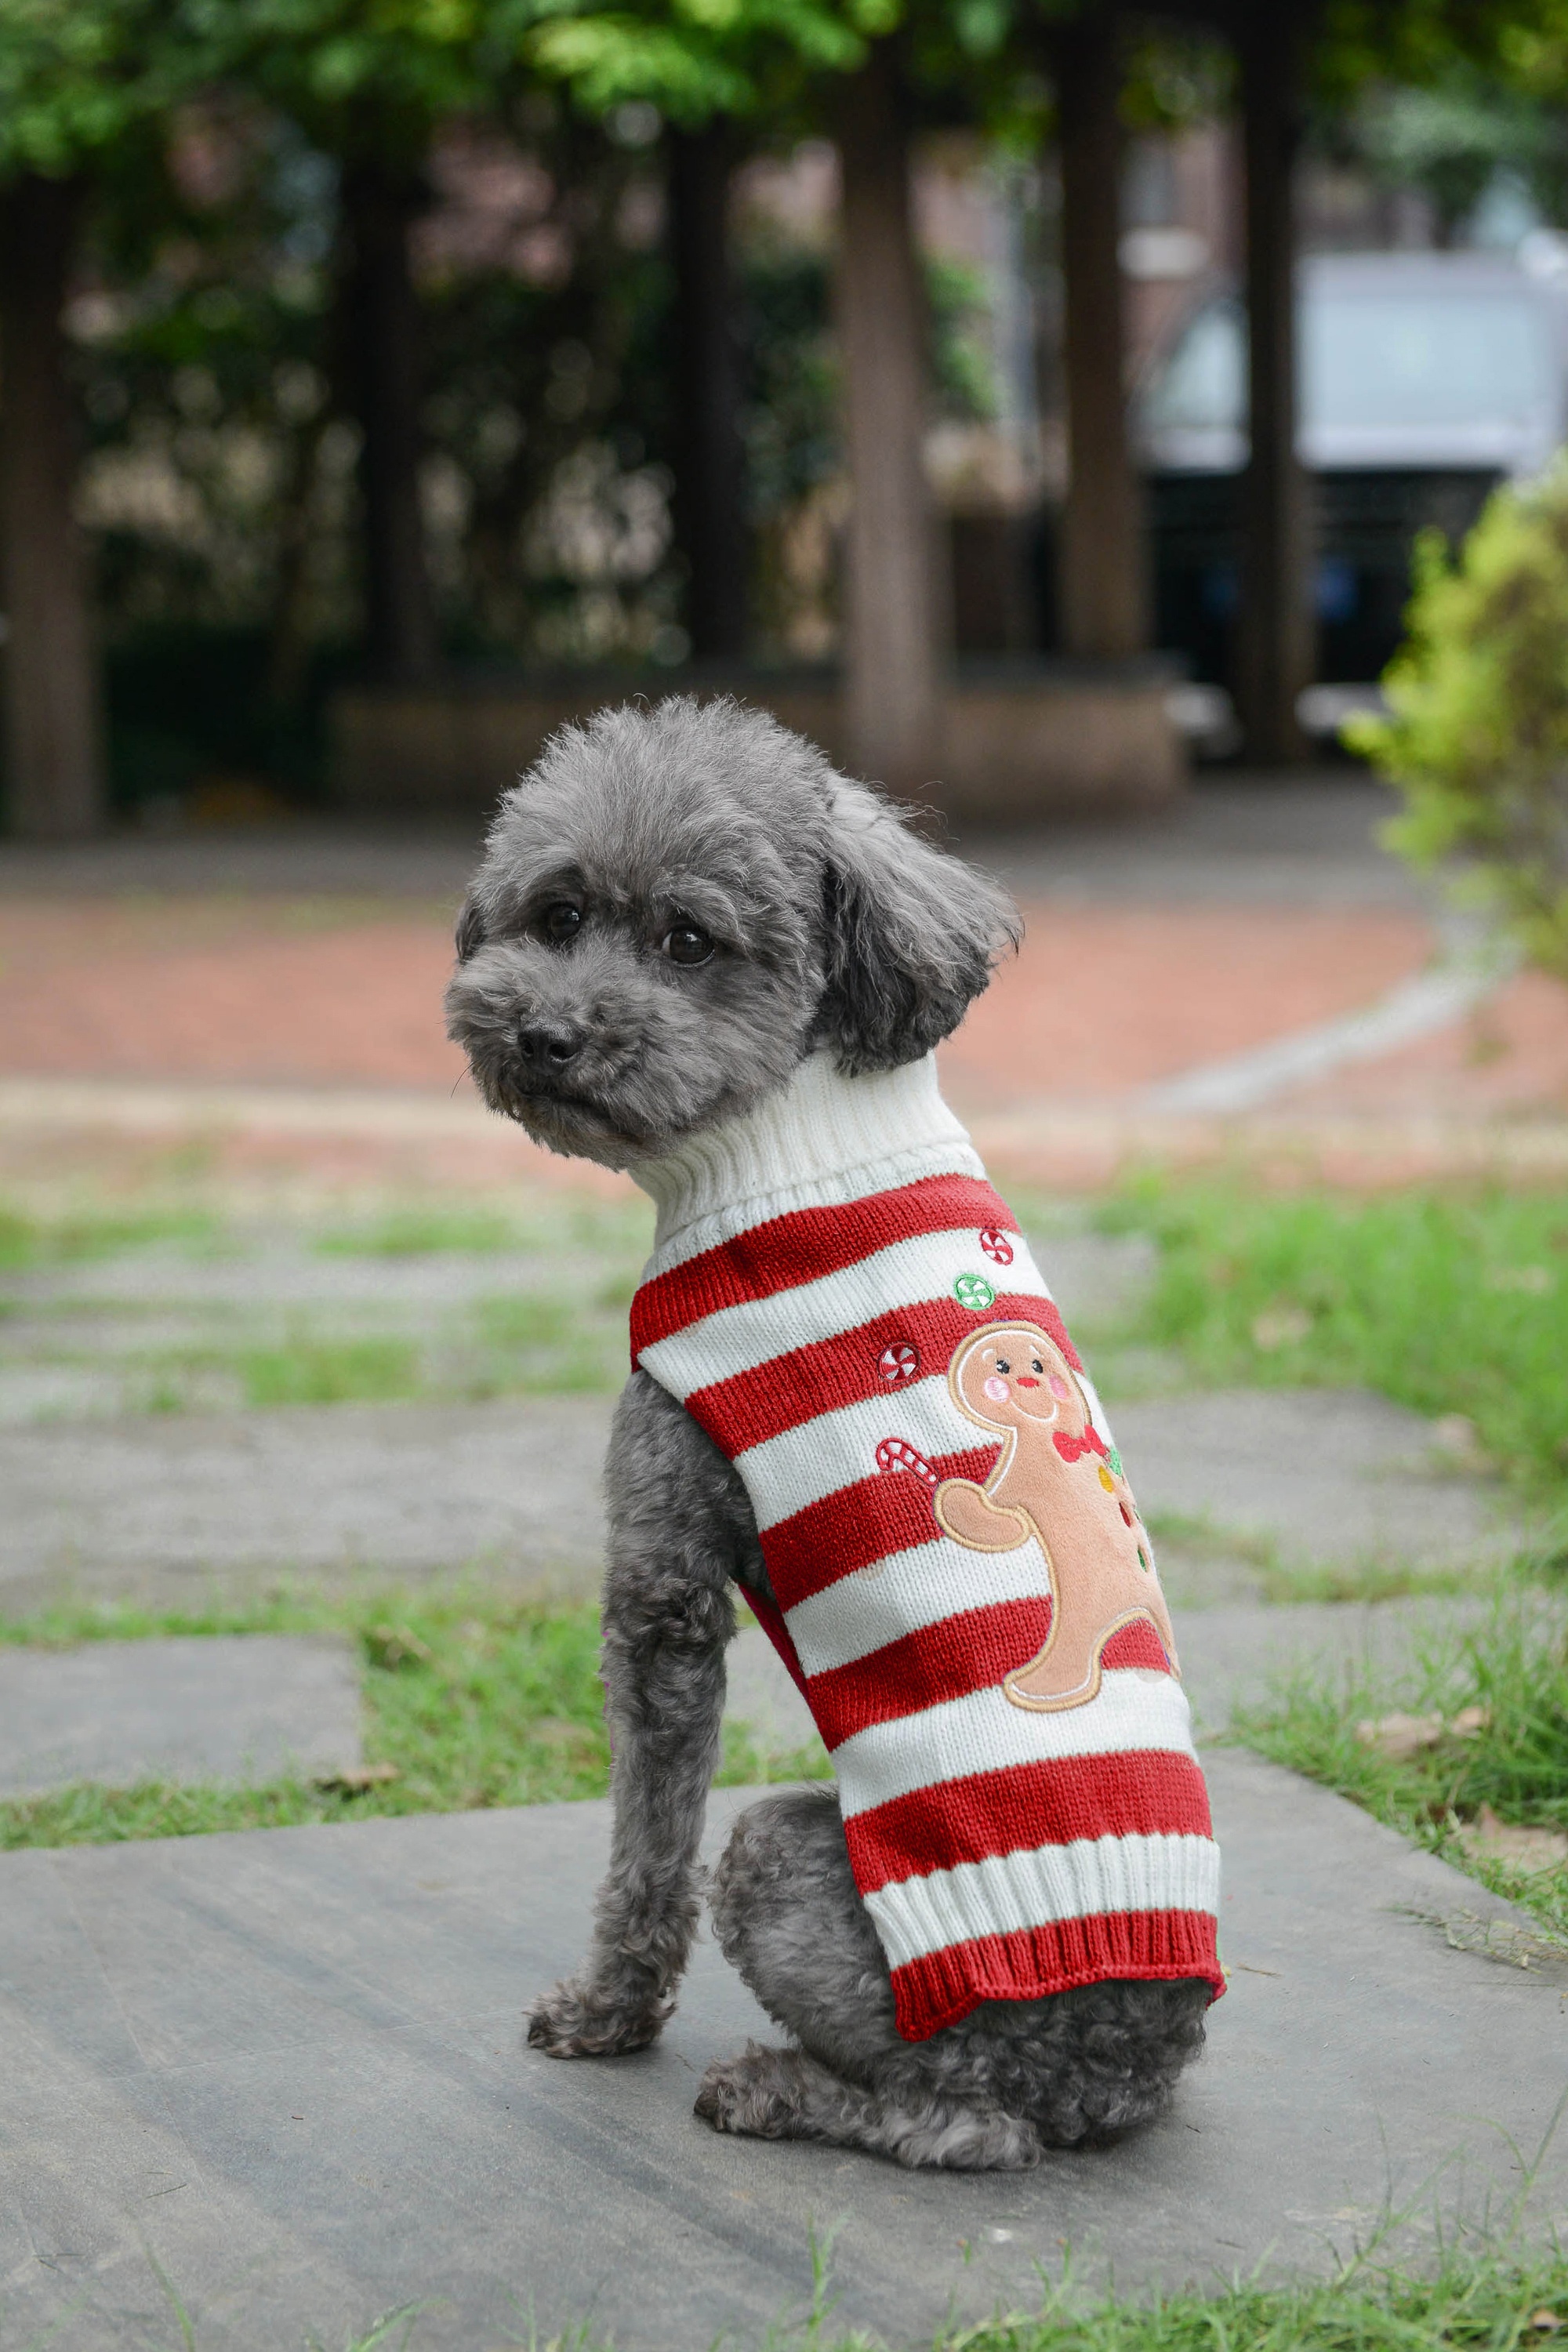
x=814, y=1139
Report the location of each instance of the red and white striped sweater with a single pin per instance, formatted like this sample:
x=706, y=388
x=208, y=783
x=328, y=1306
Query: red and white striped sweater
x=965, y=1591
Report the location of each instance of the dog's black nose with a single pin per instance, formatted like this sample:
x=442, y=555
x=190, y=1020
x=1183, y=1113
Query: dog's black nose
x=548, y=1045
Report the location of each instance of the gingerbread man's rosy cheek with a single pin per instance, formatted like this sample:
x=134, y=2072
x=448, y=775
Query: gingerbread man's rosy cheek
x=1058, y=1387
x=996, y=1389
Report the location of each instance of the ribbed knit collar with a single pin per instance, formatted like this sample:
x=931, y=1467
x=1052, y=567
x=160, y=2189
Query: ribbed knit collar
x=815, y=1128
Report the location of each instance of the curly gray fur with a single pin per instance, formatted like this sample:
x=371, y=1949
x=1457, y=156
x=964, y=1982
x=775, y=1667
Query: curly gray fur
x=831, y=925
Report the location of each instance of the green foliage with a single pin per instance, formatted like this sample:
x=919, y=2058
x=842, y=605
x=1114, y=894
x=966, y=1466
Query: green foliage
x=1446, y=1302
x=1477, y=736
x=80, y=76
x=1449, y=139
x=1513, y=1669
x=1477, y=729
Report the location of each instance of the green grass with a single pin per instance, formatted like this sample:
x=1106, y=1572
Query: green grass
x=476, y=1699
x=330, y=1371
x=27, y=1241
x=1514, y=1666
x=1470, y=2299
x=421, y=1232
x=610, y=1229
x=1447, y=1302
x=1473, y=2304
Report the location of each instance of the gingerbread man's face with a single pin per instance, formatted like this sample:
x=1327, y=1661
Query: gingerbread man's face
x=1012, y=1374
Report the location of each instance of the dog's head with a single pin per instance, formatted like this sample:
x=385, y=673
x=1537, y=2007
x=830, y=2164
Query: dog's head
x=676, y=905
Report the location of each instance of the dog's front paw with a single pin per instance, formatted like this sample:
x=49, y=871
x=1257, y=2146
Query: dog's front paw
x=575, y=2021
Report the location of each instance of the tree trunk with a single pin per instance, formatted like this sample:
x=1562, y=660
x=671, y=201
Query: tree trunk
x=892, y=686
x=1102, y=585
x=382, y=356
x=709, y=461
x=1274, y=645
x=54, y=751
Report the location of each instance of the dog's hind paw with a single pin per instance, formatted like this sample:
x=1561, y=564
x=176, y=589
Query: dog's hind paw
x=754, y=2094
x=574, y=2021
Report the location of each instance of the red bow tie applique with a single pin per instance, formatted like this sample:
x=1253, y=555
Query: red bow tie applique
x=1069, y=1448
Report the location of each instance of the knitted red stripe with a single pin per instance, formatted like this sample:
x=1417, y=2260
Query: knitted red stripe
x=806, y=1245
x=973, y=1649
x=891, y=1511
x=969, y=1651
x=789, y=1389
x=1153, y=1794
x=1034, y=1962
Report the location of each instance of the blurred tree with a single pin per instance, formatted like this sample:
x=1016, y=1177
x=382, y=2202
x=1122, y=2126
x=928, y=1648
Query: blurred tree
x=368, y=81
x=83, y=84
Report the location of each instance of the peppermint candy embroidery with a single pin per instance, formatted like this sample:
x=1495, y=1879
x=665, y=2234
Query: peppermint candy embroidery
x=899, y=1361
x=997, y=1245
x=972, y=1290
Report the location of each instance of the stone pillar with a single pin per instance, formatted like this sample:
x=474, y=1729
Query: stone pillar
x=1103, y=583
x=1275, y=626
x=709, y=461
x=53, y=736
x=892, y=683
x=383, y=347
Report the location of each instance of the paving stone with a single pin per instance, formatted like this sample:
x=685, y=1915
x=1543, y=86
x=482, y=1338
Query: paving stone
x=155, y=1505
x=288, y=2065
x=1330, y=1477
x=166, y=1503
x=236, y=1707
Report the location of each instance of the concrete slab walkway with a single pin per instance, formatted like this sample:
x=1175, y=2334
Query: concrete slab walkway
x=169, y=1505
x=244, y=1708
x=288, y=2067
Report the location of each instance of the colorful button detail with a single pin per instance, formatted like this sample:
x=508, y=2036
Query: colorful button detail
x=997, y=1245
x=972, y=1290
x=898, y=1362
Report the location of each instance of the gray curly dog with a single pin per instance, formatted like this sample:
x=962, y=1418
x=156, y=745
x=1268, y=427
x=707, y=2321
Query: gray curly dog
x=676, y=905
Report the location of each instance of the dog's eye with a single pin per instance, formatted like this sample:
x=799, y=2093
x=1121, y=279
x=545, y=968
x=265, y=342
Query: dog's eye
x=560, y=922
x=684, y=943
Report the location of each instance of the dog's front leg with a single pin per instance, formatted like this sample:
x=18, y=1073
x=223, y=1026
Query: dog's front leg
x=679, y=1525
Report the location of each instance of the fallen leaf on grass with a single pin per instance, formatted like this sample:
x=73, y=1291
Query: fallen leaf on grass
x=1281, y=1326
x=1544, y=2323
x=355, y=1779
x=1400, y=1736
x=1455, y=1435
x=395, y=1645
x=1528, y=1848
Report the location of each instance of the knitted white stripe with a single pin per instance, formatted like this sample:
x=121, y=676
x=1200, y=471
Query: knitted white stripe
x=906, y=1592
x=1137, y=1709
x=833, y=1189
x=1010, y=1892
x=739, y=1339
x=822, y=1139
x=804, y=1465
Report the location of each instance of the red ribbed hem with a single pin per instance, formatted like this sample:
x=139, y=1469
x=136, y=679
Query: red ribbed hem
x=1147, y=1946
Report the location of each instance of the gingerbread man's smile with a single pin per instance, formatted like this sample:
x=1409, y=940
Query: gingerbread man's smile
x=1013, y=1372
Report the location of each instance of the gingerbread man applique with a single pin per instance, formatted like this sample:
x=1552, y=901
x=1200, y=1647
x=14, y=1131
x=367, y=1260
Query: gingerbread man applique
x=1056, y=1480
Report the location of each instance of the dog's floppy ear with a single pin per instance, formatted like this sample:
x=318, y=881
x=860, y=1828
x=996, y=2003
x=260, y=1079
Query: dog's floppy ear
x=470, y=931
x=912, y=935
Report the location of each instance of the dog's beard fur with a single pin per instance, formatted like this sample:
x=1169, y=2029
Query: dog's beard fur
x=663, y=1056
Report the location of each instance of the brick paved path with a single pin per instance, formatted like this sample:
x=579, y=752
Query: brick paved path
x=1117, y=989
